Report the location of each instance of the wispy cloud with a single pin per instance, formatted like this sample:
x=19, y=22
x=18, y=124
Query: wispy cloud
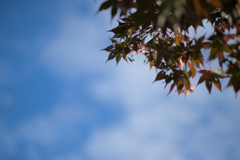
x=59, y=125
x=73, y=51
x=160, y=127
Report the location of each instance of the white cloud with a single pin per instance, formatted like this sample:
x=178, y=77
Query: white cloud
x=146, y=134
x=130, y=85
x=59, y=124
x=168, y=131
x=70, y=156
x=159, y=127
x=74, y=51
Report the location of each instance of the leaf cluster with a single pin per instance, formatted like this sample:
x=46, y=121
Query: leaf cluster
x=159, y=29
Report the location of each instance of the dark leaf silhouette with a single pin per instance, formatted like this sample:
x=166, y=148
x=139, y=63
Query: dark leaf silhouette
x=159, y=30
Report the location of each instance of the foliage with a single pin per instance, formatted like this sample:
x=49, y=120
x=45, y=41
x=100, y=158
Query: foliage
x=160, y=31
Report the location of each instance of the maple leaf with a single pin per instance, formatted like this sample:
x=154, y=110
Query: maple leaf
x=151, y=65
x=186, y=91
x=218, y=72
x=171, y=88
x=160, y=31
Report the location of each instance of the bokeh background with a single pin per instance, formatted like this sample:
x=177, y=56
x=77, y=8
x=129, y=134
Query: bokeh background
x=60, y=101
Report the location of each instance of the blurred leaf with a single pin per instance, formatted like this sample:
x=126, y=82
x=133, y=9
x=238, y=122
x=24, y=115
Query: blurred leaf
x=168, y=79
x=186, y=86
x=193, y=70
x=111, y=56
x=131, y=60
x=229, y=36
x=187, y=83
x=217, y=83
x=151, y=64
x=108, y=48
x=161, y=20
x=171, y=88
x=207, y=45
x=201, y=79
x=127, y=50
x=161, y=75
x=105, y=5
x=219, y=73
x=114, y=11
x=118, y=58
x=208, y=85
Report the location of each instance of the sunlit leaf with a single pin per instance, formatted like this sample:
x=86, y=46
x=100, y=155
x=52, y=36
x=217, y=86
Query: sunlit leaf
x=186, y=86
x=180, y=61
x=151, y=64
x=193, y=70
x=179, y=37
x=219, y=73
x=217, y=84
x=189, y=64
x=207, y=45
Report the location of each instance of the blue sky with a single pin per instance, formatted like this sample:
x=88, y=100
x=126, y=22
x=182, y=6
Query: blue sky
x=60, y=101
